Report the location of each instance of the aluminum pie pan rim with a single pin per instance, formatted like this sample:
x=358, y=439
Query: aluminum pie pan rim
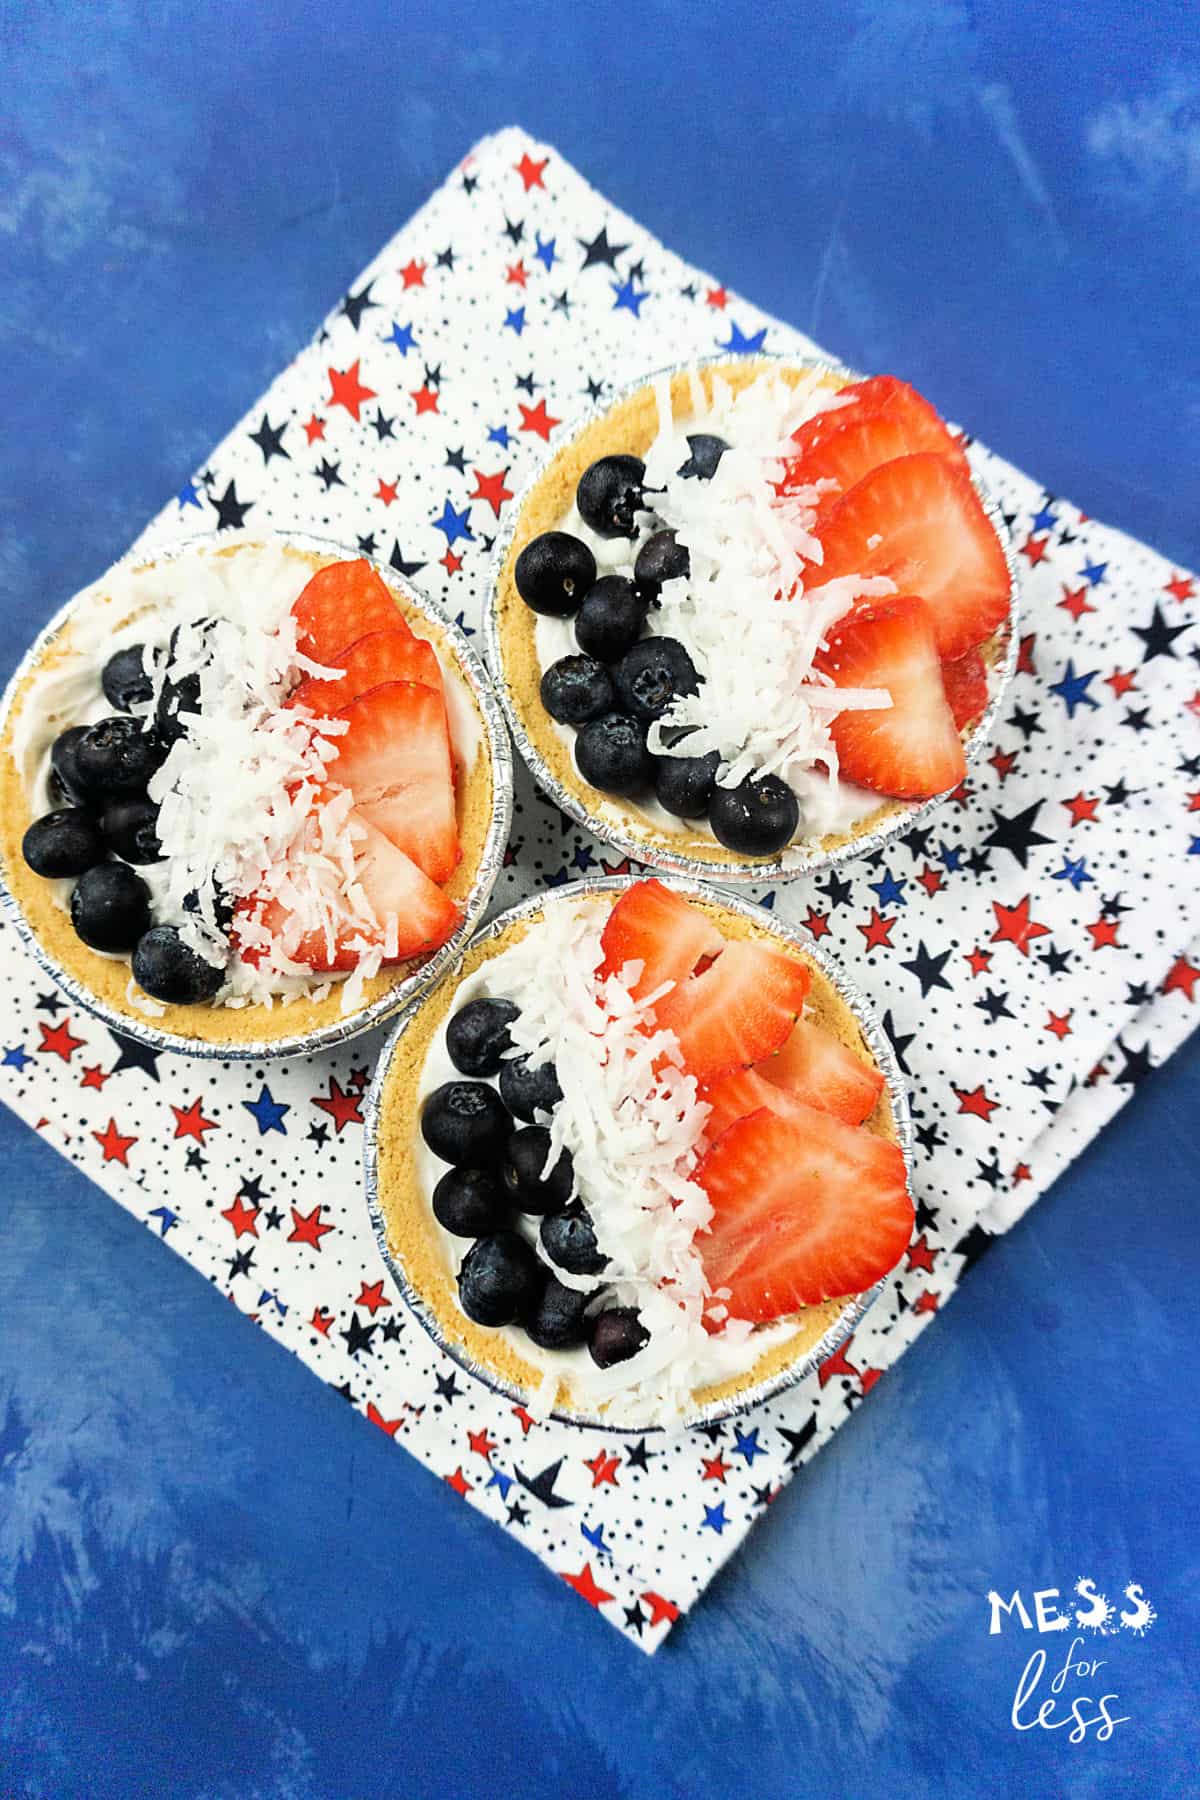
x=495, y=742
x=848, y=1319
x=799, y=858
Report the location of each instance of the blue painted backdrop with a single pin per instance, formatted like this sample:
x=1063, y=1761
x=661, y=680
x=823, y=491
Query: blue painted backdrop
x=214, y=1581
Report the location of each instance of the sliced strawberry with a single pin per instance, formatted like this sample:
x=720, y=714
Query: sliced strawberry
x=805, y=1209
x=657, y=927
x=881, y=397
x=910, y=749
x=395, y=758
x=919, y=520
x=732, y=1097
x=391, y=655
x=844, y=455
x=816, y=1067
x=738, y=1009
x=342, y=603
x=966, y=684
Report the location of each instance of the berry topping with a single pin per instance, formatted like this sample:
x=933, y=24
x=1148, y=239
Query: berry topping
x=805, y=1209
x=477, y=1036
x=177, y=702
x=131, y=829
x=110, y=907
x=499, y=1279
x=616, y=1335
x=683, y=785
x=651, y=674
x=64, y=763
x=63, y=843
x=611, y=618
x=569, y=1240
x=966, y=684
x=880, y=396
x=910, y=749
x=576, y=689
x=395, y=757
x=522, y=1172
x=391, y=655
x=655, y=926
x=611, y=754
x=343, y=602
x=124, y=679
x=117, y=756
x=556, y=1319
x=706, y=452
x=527, y=1091
x=738, y=1009
x=757, y=817
x=470, y=1202
x=818, y=1068
x=609, y=495
x=857, y=439
x=661, y=558
x=554, y=572
x=168, y=969
x=466, y=1122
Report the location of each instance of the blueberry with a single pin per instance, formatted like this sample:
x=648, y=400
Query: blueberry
x=117, y=757
x=611, y=754
x=610, y=619
x=168, y=969
x=178, y=701
x=466, y=1122
x=63, y=843
x=683, y=785
x=653, y=674
x=616, y=1335
x=222, y=906
x=554, y=572
x=131, y=829
x=521, y=1171
x=569, y=1240
x=470, y=1202
x=499, y=1278
x=756, y=817
x=610, y=493
x=110, y=907
x=661, y=558
x=576, y=689
x=706, y=453
x=526, y=1091
x=477, y=1036
x=64, y=764
x=556, y=1319
x=124, y=679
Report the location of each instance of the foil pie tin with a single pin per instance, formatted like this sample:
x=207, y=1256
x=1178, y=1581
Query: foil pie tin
x=799, y=858
x=495, y=746
x=881, y=1049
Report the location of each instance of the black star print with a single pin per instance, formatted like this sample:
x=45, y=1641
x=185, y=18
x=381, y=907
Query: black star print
x=133, y=1055
x=328, y=473
x=635, y=1618
x=689, y=292
x=979, y=862
x=392, y=1329
x=1138, y=995
x=194, y=1158
x=269, y=439
x=346, y=1391
x=1118, y=794
x=358, y=1337
x=899, y=1044
x=514, y=231
x=207, y=477
x=562, y=304
x=397, y=561
x=1137, y=1065
x=1054, y=961
x=763, y=1495
x=1137, y=719
x=231, y=512
x=926, y=1219
x=1010, y=519
x=1111, y=907
x=638, y=1457
x=241, y=1263
x=433, y=375
x=518, y=1514
x=273, y=1218
x=916, y=842
x=319, y=1134
x=447, y=1387
x=835, y=890
x=995, y=1006
x=928, y=969
x=445, y=258
x=1027, y=723
x=594, y=389
x=600, y=252
x=797, y=1441
x=527, y=384
x=470, y=183
x=1190, y=766
x=1016, y=833
x=929, y=1138
x=711, y=1432
x=367, y=544
x=457, y=459
x=1039, y=1079
x=637, y=270
x=1067, y=537
x=486, y=544
x=991, y=1172
x=1158, y=637
x=53, y=1004
x=383, y=426
x=355, y=305
x=252, y=1189
x=972, y=1247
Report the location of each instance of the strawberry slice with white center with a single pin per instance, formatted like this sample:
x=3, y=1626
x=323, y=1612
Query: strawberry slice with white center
x=395, y=759
x=966, y=684
x=880, y=397
x=653, y=925
x=391, y=655
x=342, y=603
x=911, y=749
x=816, y=1067
x=805, y=1209
x=919, y=521
x=735, y=1096
x=739, y=1008
x=844, y=454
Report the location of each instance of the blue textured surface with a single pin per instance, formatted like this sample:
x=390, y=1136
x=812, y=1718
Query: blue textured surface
x=214, y=1580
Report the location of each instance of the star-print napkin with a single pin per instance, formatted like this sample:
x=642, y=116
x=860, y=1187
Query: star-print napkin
x=1032, y=951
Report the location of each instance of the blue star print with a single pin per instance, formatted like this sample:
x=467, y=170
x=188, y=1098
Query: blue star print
x=1094, y=572
x=498, y=434
x=628, y=297
x=502, y=1481
x=1074, y=872
x=166, y=1218
x=545, y=252
x=1072, y=689
x=187, y=495
x=747, y=1445
x=890, y=891
x=740, y=344
x=714, y=1519
x=16, y=1058
x=595, y=1536
x=455, y=524
x=515, y=320
x=951, y=859
x=268, y=1113
x=402, y=336
x=1043, y=520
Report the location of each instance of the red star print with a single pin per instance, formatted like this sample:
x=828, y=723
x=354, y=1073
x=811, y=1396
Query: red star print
x=314, y=429
x=348, y=390
x=458, y=1481
x=359, y=1078
x=342, y=1108
x=1194, y=802
x=1193, y=705
x=515, y=274
x=451, y=563
x=1181, y=978
x=1075, y=601
x=927, y=1303
x=426, y=399
x=713, y=1468
x=584, y=1583
x=1025, y=654
x=413, y=274
x=716, y=297
x=527, y=1421
x=1180, y=586
x=190, y=1122
x=538, y=420
x=321, y=1321
x=372, y=1296
x=93, y=1078
x=491, y=488
x=1021, y=1173
x=1002, y=761
x=58, y=1041
x=604, y=1469
x=530, y=171
x=115, y=1147
x=307, y=1228
x=975, y=1101
x=868, y=1378
x=1120, y=681
x=980, y=960
x=838, y=1363
x=876, y=931
x=242, y=1218
x=1095, y=1074
x=920, y=1256
x=961, y=795
x=1059, y=1024
x=817, y=923
x=1035, y=549
x=1014, y=925
x=1104, y=934
x=1082, y=807
x=931, y=880
x=391, y=1426
x=660, y=1609
x=386, y=491
x=481, y=1444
